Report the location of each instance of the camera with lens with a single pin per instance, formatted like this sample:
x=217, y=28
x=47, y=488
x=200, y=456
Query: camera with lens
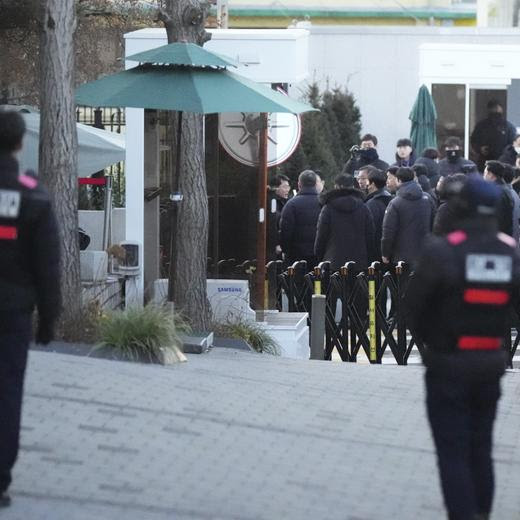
x=355, y=150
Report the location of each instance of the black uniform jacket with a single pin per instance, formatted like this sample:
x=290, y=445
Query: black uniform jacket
x=29, y=246
x=460, y=297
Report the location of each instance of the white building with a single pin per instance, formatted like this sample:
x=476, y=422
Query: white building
x=384, y=66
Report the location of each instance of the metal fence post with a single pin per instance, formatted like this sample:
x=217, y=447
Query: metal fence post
x=401, y=326
x=372, y=313
x=345, y=324
x=318, y=326
x=290, y=288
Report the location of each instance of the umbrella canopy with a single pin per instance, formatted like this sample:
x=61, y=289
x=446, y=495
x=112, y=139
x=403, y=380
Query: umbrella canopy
x=97, y=148
x=423, y=117
x=182, y=53
x=200, y=90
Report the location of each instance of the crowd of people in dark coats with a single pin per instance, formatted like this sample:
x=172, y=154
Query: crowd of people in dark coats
x=458, y=302
x=383, y=212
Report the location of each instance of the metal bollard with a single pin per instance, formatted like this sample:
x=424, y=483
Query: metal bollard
x=290, y=288
x=317, y=280
x=318, y=326
x=372, y=314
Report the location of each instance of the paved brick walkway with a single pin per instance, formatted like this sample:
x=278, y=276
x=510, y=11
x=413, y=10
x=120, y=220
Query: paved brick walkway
x=233, y=435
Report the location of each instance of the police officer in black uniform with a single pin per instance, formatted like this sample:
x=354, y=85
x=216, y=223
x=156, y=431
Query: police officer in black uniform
x=29, y=278
x=459, y=302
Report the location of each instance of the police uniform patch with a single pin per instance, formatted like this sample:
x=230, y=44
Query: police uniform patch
x=489, y=268
x=9, y=203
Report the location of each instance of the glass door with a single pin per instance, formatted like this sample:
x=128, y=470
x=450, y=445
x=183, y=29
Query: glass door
x=479, y=97
x=450, y=101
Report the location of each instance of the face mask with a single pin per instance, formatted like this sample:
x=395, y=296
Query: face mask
x=453, y=155
x=517, y=149
x=368, y=155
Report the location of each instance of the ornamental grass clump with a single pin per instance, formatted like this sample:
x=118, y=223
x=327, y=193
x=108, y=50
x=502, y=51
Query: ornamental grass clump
x=140, y=334
x=250, y=332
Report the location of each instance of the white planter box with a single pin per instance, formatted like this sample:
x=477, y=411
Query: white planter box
x=93, y=265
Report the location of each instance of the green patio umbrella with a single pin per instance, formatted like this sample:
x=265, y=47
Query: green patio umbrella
x=183, y=53
x=423, y=117
x=186, y=78
x=204, y=90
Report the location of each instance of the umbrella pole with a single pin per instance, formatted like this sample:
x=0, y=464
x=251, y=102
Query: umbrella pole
x=175, y=199
x=213, y=170
x=261, y=225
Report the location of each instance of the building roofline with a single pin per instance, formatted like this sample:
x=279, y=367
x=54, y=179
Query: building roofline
x=333, y=12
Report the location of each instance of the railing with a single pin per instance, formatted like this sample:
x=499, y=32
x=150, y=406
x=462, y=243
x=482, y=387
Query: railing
x=349, y=326
x=347, y=320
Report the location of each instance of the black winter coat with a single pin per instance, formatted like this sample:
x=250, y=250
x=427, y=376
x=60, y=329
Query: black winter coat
x=509, y=155
x=298, y=226
x=408, y=219
x=433, y=170
x=446, y=219
x=29, y=245
x=506, y=210
x=345, y=230
x=447, y=299
x=377, y=203
x=496, y=133
x=460, y=166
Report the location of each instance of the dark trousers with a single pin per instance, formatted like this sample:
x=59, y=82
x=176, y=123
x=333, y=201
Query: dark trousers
x=15, y=335
x=461, y=415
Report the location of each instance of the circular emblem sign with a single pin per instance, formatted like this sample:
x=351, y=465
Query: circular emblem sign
x=239, y=135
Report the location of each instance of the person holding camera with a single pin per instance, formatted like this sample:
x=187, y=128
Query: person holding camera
x=363, y=155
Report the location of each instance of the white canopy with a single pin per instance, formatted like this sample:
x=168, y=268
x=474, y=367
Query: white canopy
x=97, y=148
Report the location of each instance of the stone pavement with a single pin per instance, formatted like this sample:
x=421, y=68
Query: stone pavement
x=235, y=435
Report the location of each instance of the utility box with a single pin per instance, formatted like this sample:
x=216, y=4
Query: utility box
x=263, y=55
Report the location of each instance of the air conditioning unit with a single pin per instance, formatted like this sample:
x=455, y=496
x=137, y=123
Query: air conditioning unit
x=129, y=262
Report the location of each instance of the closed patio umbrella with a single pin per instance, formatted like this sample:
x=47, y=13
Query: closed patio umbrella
x=423, y=116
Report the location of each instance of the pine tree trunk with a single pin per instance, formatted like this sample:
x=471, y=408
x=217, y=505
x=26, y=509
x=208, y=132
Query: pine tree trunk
x=184, y=21
x=58, y=140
